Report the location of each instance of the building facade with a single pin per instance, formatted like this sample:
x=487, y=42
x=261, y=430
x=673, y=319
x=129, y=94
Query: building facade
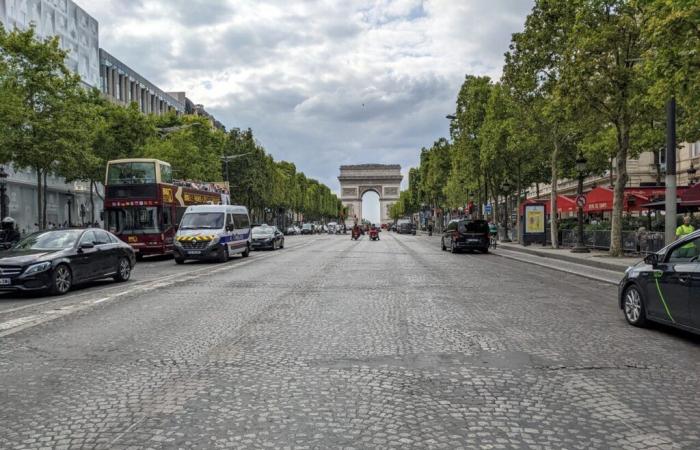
x=77, y=31
x=123, y=85
x=647, y=170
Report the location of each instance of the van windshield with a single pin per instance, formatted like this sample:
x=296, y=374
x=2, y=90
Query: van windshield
x=208, y=220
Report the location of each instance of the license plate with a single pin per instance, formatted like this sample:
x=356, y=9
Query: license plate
x=472, y=240
x=132, y=239
x=5, y=281
x=195, y=252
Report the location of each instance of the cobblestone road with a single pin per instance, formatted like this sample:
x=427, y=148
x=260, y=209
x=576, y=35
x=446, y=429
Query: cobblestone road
x=353, y=344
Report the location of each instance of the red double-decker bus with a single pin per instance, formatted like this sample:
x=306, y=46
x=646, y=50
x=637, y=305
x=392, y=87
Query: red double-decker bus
x=144, y=205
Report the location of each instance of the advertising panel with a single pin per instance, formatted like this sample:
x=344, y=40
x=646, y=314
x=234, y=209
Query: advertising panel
x=534, y=219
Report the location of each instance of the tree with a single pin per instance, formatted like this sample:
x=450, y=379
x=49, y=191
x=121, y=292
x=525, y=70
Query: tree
x=602, y=73
x=49, y=123
x=533, y=72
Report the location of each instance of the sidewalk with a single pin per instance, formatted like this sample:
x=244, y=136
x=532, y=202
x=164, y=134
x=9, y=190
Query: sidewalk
x=597, y=259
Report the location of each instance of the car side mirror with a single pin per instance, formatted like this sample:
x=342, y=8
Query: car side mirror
x=652, y=259
x=229, y=228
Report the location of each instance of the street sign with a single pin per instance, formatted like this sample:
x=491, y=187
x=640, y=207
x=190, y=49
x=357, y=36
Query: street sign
x=581, y=201
x=488, y=209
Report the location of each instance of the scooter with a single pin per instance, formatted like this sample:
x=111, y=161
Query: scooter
x=355, y=234
x=373, y=234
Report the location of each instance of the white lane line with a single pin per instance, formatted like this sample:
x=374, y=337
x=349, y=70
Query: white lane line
x=22, y=323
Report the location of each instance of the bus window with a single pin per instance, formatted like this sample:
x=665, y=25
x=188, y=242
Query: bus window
x=136, y=220
x=166, y=174
x=131, y=173
x=167, y=217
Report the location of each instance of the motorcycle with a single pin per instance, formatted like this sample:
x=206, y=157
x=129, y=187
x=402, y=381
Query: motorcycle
x=355, y=234
x=373, y=234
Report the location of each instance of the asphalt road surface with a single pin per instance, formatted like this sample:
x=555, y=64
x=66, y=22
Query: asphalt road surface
x=333, y=343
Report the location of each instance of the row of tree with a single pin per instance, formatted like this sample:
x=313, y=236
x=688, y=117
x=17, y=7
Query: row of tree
x=52, y=124
x=584, y=77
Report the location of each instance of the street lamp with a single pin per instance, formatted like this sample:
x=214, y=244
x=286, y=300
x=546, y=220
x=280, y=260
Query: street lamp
x=3, y=190
x=70, y=210
x=506, y=189
x=226, y=159
x=691, y=174
x=581, y=167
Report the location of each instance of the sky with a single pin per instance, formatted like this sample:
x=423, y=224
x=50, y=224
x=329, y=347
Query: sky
x=321, y=82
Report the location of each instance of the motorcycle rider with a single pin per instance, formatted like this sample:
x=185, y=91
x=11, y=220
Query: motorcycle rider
x=10, y=235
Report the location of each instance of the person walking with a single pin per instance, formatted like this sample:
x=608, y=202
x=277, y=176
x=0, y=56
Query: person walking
x=688, y=250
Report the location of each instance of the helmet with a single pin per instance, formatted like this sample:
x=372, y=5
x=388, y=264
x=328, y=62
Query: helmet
x=8, y=220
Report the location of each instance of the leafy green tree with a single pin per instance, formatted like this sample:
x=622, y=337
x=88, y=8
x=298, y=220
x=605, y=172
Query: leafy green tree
x=49, y=123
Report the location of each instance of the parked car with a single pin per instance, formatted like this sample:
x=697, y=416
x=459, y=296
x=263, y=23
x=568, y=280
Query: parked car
x=267, y=237
x=291, y=231
x=405, y=226
x=307, y=228
x=56, y=260
x=466, y=234
x=665, y=287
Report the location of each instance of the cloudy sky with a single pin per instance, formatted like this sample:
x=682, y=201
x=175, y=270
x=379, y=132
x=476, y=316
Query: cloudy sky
x=321, y=82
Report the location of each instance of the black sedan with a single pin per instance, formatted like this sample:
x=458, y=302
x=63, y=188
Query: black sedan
x=665, y=287
x=267, y=237
x=55, y=260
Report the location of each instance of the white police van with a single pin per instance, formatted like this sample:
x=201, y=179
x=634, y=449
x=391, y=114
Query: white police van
x=213, y=232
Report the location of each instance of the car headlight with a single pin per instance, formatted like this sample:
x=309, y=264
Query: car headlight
x=38, y=268
x=214, y=241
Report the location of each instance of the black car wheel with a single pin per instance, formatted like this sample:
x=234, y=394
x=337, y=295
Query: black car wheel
x=282, y=243
x=246, y=252
x=179, y=260
x=485, y=250
x=123, y=270
x=62, y=280
x=442, y=244
x=633, y=306
x=222, y=256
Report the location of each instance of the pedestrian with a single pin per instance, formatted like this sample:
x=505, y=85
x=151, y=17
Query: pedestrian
x=642, y=240
x=688, y=250
x=430, y=228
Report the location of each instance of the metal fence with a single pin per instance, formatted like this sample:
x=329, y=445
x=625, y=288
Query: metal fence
x=632, y=242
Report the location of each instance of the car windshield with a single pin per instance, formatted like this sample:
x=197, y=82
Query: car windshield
x=263, y=230
x=208, y=220
x=49, y=240
x=133, y=220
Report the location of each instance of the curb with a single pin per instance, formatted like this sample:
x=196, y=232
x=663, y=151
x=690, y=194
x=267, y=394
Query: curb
x=571, y=259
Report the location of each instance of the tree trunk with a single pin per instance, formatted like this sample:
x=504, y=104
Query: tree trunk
x=517, y=203
x=39, y=194
x=553, y=202
x=623, y=139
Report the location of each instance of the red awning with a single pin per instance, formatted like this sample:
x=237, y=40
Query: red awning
x=598, y=200
x=566, y=204
x=691, y=197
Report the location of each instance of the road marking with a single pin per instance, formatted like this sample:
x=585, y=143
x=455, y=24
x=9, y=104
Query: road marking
x=16, y=325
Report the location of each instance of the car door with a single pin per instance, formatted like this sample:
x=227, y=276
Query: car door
x=108, y=253
x=230, y=232
x=86, y=260
x=694, y=295
x=669, y=285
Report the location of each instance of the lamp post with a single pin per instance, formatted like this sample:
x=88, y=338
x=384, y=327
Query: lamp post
x=226, y=159
x=70, y=210
x=3, y=190
x=691, y=174
x=581, y=167
x=506, y=189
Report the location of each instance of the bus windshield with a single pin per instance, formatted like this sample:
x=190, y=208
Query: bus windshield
x=208, y=220
x=131, y=173
x=133, y=220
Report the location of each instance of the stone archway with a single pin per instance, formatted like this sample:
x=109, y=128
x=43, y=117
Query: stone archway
x=355, y=181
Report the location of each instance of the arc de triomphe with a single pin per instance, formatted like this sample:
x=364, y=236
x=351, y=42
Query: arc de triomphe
x=355, y=181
